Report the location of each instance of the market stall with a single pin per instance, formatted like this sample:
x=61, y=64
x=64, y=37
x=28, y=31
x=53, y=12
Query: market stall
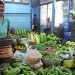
x=33, y=53
x=40, y=54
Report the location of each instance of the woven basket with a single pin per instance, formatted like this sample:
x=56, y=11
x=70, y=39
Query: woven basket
x=7, y=50
x=32, y=43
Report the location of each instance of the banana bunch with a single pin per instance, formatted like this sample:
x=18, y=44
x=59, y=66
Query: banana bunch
x=20, y=47
x=34, y=37
x=43, y=37
x=37, y=38
x=20, y=31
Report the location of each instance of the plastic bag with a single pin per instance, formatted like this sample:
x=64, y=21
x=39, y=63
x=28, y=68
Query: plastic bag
x=37, y=65
x=19, y=56
x=32, y=57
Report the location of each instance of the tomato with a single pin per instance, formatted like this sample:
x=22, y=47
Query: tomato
x=2, y=52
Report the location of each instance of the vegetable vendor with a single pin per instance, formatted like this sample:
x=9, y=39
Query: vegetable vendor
x=5, y=26
x=4, y=23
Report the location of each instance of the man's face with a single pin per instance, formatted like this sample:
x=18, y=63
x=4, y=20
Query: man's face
x=1, y=9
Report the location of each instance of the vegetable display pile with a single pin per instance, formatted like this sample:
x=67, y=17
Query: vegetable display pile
x=18, y=69
x=51, y=48
x=22, y=33
x=41, y=38
x=21, y=69
x=51, y=57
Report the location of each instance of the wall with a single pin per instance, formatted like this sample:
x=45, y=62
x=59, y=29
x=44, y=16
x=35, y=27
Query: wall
x=36, y=10
x=19, y=15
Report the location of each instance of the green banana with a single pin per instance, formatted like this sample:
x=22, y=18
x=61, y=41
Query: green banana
x=32, y=38
x=38, y=36
x=44, y=36
x=29, y=36
x=41, y=38
x=36, y=39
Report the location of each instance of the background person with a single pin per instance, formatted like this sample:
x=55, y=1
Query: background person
x=48, y=23
x=47, y=30
x=35, y=26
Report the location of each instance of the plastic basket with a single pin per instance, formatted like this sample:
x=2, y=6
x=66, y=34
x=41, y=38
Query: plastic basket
x=48, y=63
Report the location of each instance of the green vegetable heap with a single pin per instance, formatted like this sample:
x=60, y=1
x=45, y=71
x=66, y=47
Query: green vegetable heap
x=21, y=69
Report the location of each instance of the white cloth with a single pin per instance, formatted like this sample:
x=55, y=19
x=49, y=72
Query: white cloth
x=49, y=24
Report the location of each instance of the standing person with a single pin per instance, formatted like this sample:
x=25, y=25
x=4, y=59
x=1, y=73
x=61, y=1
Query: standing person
x=47, y=30
x=4, y=29
x=4, y=23
x=48, y=23
x=60, y=31
x=35, y=23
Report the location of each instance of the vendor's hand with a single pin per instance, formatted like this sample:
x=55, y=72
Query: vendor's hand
x=32, y=26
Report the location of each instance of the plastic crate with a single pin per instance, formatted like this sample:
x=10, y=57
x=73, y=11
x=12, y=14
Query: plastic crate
x=5, y=42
